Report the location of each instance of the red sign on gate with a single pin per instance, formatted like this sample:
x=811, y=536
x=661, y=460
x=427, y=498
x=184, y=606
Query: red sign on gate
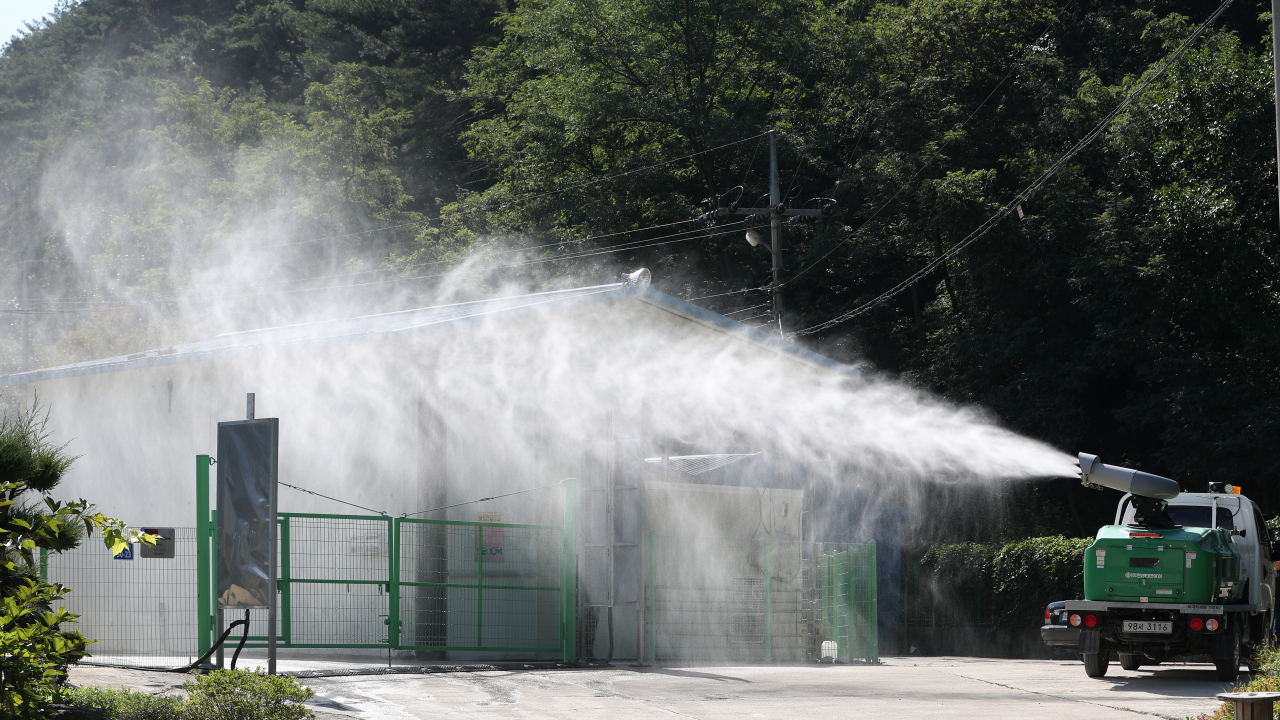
x=491, y=542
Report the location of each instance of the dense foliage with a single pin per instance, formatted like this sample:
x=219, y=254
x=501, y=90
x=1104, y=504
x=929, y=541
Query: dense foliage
x=34, y=647
x=219, y=695
x=991, y=597
x=169, y=169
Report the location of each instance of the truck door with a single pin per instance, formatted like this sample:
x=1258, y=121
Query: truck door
x=1263, y=543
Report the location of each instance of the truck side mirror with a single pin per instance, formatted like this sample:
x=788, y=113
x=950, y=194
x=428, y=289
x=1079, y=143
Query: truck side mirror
x=1238, y=532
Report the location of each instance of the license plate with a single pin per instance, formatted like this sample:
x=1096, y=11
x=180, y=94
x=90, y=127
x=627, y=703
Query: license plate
x=1147, y=626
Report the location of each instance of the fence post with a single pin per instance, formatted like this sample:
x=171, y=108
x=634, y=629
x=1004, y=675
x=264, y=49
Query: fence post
x=204, y=531
x=286, y=584
x=479, y=586
x=652, y=597
x=824, y=592
x=569, y=573
x=768, y=598
x=393, y=583
x=842, y=601
x=875, y=611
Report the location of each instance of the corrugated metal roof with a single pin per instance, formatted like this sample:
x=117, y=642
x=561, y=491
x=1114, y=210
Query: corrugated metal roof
x=334, y=332
x=408, y=323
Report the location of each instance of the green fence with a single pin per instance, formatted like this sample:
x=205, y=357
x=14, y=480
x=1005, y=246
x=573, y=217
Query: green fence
x=139, y=611
x=759, y=600
x=371, y=581
x=847, y=582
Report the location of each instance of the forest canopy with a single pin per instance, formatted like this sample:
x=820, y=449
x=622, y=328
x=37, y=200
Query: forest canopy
x=173, y=168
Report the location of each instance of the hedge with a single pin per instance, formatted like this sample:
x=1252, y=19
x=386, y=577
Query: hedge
x=996, y=591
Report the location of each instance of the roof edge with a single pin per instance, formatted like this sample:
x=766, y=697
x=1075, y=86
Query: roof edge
x=181, y=354
x=701, y=315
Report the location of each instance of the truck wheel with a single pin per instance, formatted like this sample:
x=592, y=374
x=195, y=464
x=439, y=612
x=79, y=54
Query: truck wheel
x=1228, y=670
x=1131, y=661
x=1095, y=664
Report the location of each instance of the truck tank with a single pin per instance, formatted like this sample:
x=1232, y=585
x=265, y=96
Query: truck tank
x=1154, y=560
x=1162, y=565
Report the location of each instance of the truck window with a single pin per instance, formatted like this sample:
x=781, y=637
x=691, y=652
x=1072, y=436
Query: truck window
x=1190, y=516
x=1264, y=536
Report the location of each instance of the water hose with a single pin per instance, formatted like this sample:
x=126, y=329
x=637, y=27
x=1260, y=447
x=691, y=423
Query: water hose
x=200, y=661
x=243, y=637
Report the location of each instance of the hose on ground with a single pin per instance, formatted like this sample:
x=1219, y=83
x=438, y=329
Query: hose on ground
x=200, y=660
x=243, y=637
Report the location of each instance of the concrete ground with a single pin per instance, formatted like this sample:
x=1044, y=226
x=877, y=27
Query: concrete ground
x=902, y=687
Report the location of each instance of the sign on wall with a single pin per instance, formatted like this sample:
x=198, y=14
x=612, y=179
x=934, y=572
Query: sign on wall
x=491, y=540
x=163, y=548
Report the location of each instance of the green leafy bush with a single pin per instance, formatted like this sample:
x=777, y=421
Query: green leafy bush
x=125, y=704
x=1029, y=574
x=238, y=695
x=1265, y=679
x=34, y=648
x=989, y=599
x=220, y=695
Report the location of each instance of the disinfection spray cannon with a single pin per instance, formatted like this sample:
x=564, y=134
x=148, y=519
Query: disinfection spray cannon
x=1149, y=491
x=1156, y=589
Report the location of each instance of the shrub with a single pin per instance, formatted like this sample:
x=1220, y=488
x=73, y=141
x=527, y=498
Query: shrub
x=1029, y=574
x=991, y=598
x=125, y=704
x=34, y=648
x=1267, y=679
x=956, y=583
x=239, y=695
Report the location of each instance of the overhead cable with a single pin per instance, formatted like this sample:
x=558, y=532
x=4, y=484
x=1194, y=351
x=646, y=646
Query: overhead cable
x=483, y=499
x=1026, y=193
x=683, y=236
x=334, y=499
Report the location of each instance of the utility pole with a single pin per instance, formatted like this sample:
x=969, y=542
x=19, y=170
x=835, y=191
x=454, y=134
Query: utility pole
x=26, y=333
x=774, y=214
x=1275, y=79
x=775, y=227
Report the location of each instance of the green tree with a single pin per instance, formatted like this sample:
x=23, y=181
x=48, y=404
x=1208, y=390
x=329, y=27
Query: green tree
x=579, y=89
x=34, y=648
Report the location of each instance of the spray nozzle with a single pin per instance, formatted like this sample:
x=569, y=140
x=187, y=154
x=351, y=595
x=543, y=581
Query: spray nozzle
x=638, y=280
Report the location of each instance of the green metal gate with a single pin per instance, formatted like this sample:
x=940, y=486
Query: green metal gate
x=759, y=600
x=847, y=581
x=371, y=581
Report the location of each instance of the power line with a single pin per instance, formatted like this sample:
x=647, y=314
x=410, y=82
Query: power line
x=731, y=292
x=745, y=309
x=513, y=201
x=501, y=206
x=536, y=248
x=699, y=234
x=936, y=154
x=1026, y=193
x=473, y=502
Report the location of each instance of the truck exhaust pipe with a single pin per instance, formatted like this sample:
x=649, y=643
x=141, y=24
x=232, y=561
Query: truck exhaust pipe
x=1093, y=473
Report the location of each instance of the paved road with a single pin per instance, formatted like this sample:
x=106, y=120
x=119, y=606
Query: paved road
x=901, y=688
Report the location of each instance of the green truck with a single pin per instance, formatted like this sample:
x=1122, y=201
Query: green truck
x=1179, y=574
